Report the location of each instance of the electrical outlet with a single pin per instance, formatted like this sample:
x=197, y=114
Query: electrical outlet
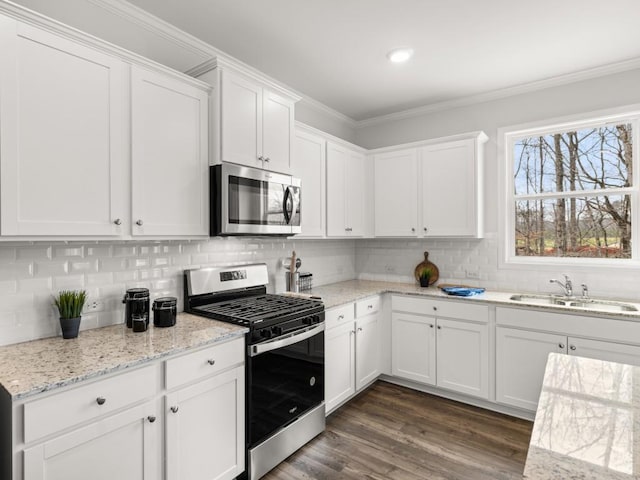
x=94, y=306
x=473, y=274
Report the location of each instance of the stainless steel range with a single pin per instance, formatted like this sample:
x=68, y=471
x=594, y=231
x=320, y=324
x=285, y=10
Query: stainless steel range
x=284, y=362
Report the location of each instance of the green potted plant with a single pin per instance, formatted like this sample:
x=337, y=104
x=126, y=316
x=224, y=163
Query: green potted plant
x=425, y=276
x=70, y=304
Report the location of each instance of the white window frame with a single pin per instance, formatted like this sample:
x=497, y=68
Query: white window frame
x=506, y=211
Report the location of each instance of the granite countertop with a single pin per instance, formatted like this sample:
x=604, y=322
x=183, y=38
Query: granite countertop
x=41, y=365
x=587, y=423
x=352, y=290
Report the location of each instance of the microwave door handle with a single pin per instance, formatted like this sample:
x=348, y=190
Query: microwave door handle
x=264, y=347
x=285, y=200
x=293, y=205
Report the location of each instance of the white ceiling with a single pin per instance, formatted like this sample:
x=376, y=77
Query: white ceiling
x=334, y=50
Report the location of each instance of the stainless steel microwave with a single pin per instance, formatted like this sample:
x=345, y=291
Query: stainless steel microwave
x=250, y=201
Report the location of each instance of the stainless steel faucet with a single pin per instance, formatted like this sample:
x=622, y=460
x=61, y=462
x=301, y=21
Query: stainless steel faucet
x=567, y=286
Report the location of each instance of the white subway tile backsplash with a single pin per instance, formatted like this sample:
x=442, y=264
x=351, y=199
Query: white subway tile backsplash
x=125, y=251
x=68, y=282
x=101, y=251
x=30, y=254
x=126, y=276
x=97, y=279
x=35, y=285
x=14, y=271
x=87, y=266
x=7, y=287
x=111, y=264
x=7, y=254
x=68, y=252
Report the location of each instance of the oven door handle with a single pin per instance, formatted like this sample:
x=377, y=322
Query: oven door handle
x=255, y=350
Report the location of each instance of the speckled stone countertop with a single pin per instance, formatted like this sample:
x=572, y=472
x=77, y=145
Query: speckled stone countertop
x=40, y=365
x=352, y=290
x=588, y=422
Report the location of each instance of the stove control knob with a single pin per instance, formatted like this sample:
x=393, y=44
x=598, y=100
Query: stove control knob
x=308, y=320
x=276, y=331
x=265, y=333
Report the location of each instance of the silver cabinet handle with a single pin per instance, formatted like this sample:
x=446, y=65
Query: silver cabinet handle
x=359, y=329
x=439, y=327
x=348, y=229
x=340, y=317
x=260, y=157
x=352, y=332
x=175, y=409
x=266, y=159
x=572, y=347
x=211, y=361
x=431, y=325
x=561, y=345
x=101, y=400
x=369, y=307
x=117, y=221
x=139, y=223
x=151, y=418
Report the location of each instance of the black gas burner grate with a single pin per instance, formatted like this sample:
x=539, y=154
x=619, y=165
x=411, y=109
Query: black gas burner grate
x=260, y=308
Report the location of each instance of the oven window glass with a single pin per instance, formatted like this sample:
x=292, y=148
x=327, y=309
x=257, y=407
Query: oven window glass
x=283, y=385
x=256, y=202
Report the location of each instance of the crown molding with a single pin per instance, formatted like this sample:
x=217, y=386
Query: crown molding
x=330, y=138
x=596, y=72
x=25, y=15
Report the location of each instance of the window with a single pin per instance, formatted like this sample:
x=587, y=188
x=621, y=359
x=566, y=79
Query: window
x=571, y=191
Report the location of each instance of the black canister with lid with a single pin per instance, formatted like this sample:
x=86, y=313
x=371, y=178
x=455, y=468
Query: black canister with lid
x=136, y=302
x=165, y=310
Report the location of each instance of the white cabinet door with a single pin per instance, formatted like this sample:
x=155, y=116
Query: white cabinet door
x=125, y=446
x=413, y=347
x=450, y=189
x=521, y=358
x=205, y=429
x=62, y=122
x=355, y=174
x=241, y=120
x=309, y=164
x=609, y=351
x=277, y=132
x=367, y=350
x=463, y=357
x=170, y=181
x=346, y=174
x=339, y=364
x=396, y=193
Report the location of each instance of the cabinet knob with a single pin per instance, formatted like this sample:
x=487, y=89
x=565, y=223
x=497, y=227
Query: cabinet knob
x=561, y=345
x=359, y=329
x=439, y=327
x=340, y=317
x=139, y=223
x=266, y=159
x=211, y=361
x=151, y=418
x=352, y=332
x=117, y=221
x=572, y=347
x=175, y=409
x=413, y=229
x=369, y=307
x=435, y=309
x=431, y=325
x=101, y=400
x=260, y=157
x=425, y=229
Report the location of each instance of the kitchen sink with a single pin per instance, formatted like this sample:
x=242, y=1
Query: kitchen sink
x=583, y=303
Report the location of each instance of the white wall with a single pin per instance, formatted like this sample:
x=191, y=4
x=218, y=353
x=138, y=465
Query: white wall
x=454, y=256
x=326, y=121
x=30, y=273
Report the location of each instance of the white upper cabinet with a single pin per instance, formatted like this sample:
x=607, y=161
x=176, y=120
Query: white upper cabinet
x=396, y=193
x=346, y=176
x=309, y=164
x=430, y=189
x=253, y=121
x=63, y=122
x=451, y=185
x=170, y=164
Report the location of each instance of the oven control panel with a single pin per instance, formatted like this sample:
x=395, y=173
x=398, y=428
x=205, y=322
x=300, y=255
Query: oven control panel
x=284, y=328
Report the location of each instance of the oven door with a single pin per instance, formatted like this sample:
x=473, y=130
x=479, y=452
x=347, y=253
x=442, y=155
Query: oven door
x=285, y=379
x=253, y=201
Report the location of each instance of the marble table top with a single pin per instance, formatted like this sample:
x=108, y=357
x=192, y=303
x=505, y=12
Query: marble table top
x=587, y=424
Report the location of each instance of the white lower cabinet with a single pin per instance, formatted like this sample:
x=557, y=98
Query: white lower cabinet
x=113, y=428
x=525, y=338
x=521, y=357
x=352, y=350
x=433, y=347
x=205, y=426
x=124, y=446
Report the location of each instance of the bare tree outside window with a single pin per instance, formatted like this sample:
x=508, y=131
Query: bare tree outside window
x=572, y=193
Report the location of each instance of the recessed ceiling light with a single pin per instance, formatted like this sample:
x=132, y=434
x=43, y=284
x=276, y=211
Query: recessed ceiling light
x=399, y=55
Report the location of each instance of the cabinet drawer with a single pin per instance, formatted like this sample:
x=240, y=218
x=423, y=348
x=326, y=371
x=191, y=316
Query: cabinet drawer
x=367, y=306
x=339, y=315
x=57, y=412
x=441, y=308
x=202, y=363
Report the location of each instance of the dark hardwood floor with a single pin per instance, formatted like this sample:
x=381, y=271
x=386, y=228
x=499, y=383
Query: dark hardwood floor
x=394, y=433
